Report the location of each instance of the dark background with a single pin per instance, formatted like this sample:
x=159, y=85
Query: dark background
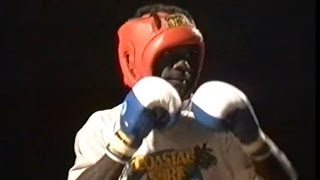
x=60, y=65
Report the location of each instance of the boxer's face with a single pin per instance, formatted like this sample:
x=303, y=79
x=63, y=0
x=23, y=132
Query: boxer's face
x=179, y=66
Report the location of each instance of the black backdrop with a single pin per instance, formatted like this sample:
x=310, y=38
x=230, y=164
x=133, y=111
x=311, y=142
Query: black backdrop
x=60, y=66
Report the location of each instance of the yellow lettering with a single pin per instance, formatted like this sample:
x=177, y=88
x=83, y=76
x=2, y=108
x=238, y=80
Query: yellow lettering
x=180, y=172
x=179, y=21
x=161, y=174
x=158, y=162
x=166, y=159
x=171, y=174
x=181, y=158
x=174, y=158
x=176, y=173
x=170, y=23
x=168, y=165
x=190, y=156
x=176, y=20
x=138, y=163
x=149, y=161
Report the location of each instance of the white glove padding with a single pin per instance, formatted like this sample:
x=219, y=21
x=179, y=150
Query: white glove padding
x=219, y=105
x=154, y=92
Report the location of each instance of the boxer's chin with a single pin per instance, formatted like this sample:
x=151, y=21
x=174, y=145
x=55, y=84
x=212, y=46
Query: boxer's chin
x=179, y=86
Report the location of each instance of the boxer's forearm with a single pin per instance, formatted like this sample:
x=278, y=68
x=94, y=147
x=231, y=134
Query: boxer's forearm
x=104, y=169
x=275, y=167
x=270, y=162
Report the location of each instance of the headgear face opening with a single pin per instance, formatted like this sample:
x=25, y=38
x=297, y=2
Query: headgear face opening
x=143, y=39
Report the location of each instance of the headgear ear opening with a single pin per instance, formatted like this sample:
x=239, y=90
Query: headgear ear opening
x=126, y=60
x=156, y=19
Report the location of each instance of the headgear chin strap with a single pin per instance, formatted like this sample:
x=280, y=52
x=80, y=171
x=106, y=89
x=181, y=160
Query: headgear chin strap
x=143, y=39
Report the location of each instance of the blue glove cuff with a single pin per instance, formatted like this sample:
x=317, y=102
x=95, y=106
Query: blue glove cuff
x=205, y=119
x=136, y=120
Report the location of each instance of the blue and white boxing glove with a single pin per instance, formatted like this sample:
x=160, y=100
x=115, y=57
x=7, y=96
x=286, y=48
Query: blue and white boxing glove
x=152, y=103
x=220, y=106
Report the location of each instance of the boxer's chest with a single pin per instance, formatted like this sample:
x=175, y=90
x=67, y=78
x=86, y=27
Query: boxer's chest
x=185, y=151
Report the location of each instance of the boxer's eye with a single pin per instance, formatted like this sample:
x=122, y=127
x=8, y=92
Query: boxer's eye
x=169, y=57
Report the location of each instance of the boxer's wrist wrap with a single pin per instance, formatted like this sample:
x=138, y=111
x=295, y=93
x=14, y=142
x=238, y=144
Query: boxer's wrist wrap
x=260, y=149
x=267, y=150
x=120, y=148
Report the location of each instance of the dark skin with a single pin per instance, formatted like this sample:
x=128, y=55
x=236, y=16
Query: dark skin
x=179, y=66
x=104, y=169
x=274, y=166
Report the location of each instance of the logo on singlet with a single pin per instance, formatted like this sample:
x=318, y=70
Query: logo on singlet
x=173, y=164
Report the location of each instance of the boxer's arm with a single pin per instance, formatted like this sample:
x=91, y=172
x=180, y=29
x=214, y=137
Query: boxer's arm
x=91, y=159
x=104, y=169
x=152, y=103
x=269, y=161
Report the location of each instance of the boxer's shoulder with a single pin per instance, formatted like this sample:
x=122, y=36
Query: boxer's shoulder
x=103, y=118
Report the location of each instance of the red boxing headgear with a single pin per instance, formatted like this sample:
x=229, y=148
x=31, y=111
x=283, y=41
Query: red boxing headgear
x=142, y=40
